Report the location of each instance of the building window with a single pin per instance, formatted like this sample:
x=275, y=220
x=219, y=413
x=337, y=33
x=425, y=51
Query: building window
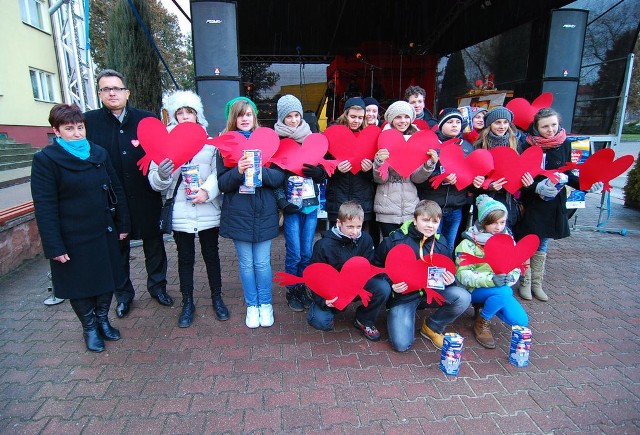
x=35, y=13
x=42, y=84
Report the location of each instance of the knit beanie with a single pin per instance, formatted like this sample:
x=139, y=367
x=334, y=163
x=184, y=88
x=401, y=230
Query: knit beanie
x=287, y=104
x=231, y=102
x=447, y=114
x=496, y=113
x=399, y=108
x=474, y=110
x=354, y=101
x=180, y=99
x=370, y=101
x=486, y=205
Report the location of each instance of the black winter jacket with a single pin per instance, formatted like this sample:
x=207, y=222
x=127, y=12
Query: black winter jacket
x=74, y=217
x=336, y=250
x=446, y=195
x=409, y=235
x=248, y=217
x=105, y=130
x=547, y=219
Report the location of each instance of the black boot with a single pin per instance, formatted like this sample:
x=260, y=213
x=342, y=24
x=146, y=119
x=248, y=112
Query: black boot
x=303, y=295
x=222, y=313
x=108, y=332
x=188, y=308
x=84, y=309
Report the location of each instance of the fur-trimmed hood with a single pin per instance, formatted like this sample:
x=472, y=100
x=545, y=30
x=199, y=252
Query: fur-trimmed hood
x=173, y=102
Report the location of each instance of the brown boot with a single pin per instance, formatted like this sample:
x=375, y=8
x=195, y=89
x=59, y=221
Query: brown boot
x=525, y=286
x=537, y=274
x=476, y=310
x=483, y=333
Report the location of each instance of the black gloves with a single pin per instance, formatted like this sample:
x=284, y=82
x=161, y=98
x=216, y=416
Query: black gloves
x=317, y=173
x=287, y=207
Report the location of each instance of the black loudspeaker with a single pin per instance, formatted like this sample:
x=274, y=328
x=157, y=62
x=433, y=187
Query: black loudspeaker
x=214, y=95
x=566, y=41
x=215, y=38
x=215, y=55
x=564, y=99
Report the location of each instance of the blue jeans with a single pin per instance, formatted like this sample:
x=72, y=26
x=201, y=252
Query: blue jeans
x=449, y=225
x=322, y=318
x=401, y=318
x=254, y=262
x=499, y=301
x=544, y=244
x=299, y=231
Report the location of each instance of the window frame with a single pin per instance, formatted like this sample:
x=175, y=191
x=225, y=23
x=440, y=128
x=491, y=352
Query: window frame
x=42, y=85
x=41, y=21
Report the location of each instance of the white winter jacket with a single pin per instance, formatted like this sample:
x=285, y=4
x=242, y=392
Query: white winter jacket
x=189, y=217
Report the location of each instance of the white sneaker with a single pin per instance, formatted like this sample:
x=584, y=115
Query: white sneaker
x=253, y=317
x=266, y=315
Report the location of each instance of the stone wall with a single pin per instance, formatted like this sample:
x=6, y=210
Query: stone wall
x=19, y=241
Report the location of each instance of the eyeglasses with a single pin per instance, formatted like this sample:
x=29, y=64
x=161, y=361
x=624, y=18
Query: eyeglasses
x=109, y=90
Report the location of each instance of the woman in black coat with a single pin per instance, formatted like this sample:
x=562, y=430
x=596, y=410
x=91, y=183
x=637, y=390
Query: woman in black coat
x=81, y=212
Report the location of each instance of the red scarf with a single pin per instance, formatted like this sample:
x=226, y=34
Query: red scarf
x=546, y=144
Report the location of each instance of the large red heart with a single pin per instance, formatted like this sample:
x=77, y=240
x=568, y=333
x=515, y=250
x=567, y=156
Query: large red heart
x=345, y=145
x=263, y=139
x=600, y=166
x=502, y=254
x=292, y=156
x=479, y=162
x=179, y=145
x=402, y=265
x=523, y=112
x=509, y=165
x=327, y=282
x=405, y=156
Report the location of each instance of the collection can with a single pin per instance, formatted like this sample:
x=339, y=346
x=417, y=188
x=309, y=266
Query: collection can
x=295, y=189
x=451, y=356
x=520, y=346
x=253, y=175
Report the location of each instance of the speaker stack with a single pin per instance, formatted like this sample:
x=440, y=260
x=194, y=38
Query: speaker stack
x=215, y=56
x=564, y=58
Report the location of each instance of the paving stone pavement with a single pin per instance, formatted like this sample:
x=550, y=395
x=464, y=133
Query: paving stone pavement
x=221, y=377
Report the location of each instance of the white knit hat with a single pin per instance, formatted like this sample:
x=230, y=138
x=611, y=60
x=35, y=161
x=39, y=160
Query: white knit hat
x=399, y=108
x=179, y=99
x=287, y=104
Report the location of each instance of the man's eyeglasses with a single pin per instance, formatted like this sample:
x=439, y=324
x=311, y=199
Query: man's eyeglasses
x=109, y=90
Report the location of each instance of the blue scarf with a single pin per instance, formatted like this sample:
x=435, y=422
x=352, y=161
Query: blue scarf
x=79, y=148
x=245, y=133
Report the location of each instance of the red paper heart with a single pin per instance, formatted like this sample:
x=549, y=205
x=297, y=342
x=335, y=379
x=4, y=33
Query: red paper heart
x=292, y=156
x=509, y=165
x=344, y=145
x=327, y=282
x=502, y=255
x=523, y=112
x=405, y=156
x=179, y=145
x=479, y=162
x=438, y=260
x=402, y=266
x=262, y=138
x=600, y=166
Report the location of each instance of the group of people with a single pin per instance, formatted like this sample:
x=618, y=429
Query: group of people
x=91, y=199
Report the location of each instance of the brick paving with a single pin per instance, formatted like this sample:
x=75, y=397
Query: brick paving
x=221, y=377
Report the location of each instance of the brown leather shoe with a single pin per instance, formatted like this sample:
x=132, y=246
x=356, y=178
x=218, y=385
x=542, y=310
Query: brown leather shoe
x=483, y=333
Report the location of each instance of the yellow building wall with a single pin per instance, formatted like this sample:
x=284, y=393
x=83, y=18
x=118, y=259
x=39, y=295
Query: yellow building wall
x=22, y=47
x=311, y=97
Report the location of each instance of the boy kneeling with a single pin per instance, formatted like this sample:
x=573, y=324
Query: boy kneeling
x=420, y=235
x=336, y=246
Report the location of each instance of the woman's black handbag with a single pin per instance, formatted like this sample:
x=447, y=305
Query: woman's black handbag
x=166, y=212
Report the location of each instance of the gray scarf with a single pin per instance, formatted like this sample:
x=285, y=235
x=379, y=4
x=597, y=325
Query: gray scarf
x=498, y=141
x=298, y=134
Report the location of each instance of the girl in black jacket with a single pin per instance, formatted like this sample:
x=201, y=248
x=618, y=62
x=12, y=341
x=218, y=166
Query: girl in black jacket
x=250, y=219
